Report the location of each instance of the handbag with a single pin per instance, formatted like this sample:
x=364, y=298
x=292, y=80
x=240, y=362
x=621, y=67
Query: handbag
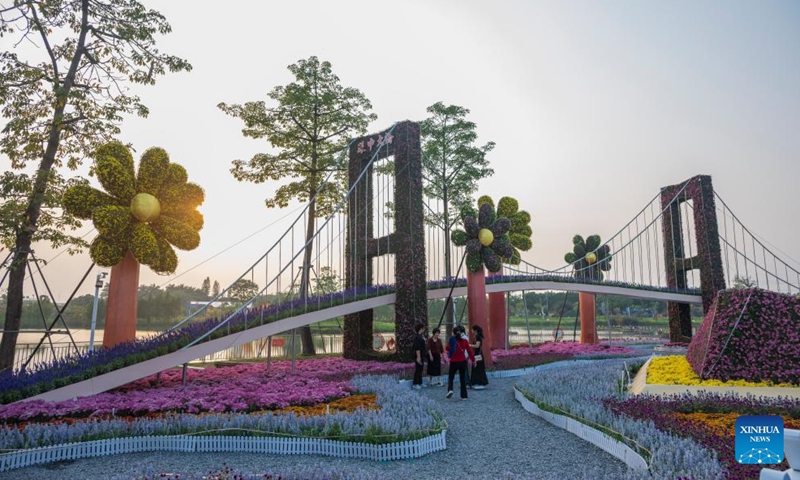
x=478, y=357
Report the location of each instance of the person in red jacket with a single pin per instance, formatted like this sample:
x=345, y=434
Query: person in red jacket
x=458, y=350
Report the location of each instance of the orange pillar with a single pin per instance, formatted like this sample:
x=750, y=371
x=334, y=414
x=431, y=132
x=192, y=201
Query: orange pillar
x=476, y=302
x=123, y=290
x=497, y=317
x=586, y=305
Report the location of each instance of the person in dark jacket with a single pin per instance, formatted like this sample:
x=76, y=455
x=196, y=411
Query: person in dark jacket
x=478, y=378
x=458, y=350
x=435, y=351
x=419, y=354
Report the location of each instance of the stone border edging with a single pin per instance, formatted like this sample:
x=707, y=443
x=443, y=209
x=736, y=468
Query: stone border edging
x=192, y=443
x=591, y=435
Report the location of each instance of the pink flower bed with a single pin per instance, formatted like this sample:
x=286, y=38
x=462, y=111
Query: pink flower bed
x=749, y=334
x=240, y=388
x=565, y=348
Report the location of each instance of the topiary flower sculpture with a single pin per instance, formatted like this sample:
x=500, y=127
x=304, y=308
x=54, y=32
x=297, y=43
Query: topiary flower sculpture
x=485, y=236
x=589, y=258
x=520, y=231
x=146, y=213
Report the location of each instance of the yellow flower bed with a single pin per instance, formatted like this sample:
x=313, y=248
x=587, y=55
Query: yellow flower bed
x=347, y=404
x=675, y=370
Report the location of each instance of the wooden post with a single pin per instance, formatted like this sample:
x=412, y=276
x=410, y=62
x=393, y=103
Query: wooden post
x=123, y=290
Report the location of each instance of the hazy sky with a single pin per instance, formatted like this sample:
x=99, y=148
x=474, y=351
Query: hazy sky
x=594, y=106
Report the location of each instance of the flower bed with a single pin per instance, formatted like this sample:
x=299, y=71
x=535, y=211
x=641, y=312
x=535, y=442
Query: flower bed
x=242, y=388
x=524, y=356
x=675, y=370
x=751, y=335
x=584, y=395
x=401, y=415
x=708, y=419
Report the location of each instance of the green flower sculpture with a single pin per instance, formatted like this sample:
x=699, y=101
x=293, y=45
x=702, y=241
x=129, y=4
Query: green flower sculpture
x=589, y=258
x=148, y=213
x=520, y=231
x=485, y=236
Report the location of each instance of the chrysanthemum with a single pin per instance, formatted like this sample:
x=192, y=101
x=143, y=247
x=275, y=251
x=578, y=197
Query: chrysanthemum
x=146, y=213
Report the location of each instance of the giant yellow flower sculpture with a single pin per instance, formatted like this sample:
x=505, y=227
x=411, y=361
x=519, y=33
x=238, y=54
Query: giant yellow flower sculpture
x=146, y=213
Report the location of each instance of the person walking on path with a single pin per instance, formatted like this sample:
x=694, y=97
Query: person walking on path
x=435, y=350
x=458, y=350
x=479, y=381
x=419, y=354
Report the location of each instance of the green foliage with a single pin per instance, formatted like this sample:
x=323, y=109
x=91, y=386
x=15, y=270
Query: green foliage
x=580, y=257
x=570, y=257
x=577, y=239
x=115, y=178
x=310, y=123
x=107, y=253
x=81, y=200
x=592, y=243
x=118, y=152
x=153, y=169
x=521, y=241
x=143, y=244
x=486, y=216
x=507, y=206
x=179, y=223
x=473, y=262
x=459, y=237
x=468, y=211
x=177, y=233
x=485, y=199
x=113, y=222
x=243, y=290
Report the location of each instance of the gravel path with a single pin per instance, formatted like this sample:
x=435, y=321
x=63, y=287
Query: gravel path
x=490, y=436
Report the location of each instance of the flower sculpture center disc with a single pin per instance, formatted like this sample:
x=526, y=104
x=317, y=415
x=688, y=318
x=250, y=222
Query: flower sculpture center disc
x=486, y=237
x=145, y=207
x=591, y=258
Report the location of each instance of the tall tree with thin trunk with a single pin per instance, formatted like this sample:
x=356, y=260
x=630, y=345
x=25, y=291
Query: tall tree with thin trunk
x=311, y=121
x=452, y=164
x=63, y=91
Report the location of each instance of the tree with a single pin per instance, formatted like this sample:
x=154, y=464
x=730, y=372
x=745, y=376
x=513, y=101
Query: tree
x=312, y=121
x=328, y=281
x=243, y=290
x=744, y=282
x=206, y=287
x=451, y=166
x=215, y=289
x=62, y=99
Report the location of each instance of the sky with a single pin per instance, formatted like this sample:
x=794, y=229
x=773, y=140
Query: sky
x=594, y=106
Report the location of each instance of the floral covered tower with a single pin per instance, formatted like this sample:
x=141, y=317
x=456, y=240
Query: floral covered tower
x=139, y=218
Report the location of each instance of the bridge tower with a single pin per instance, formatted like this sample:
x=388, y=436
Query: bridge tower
x=708, y=260
x=407, y=242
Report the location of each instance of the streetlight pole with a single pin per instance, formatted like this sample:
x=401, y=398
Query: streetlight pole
x=97, y=286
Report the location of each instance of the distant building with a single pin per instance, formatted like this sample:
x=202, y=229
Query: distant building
x=194, y=306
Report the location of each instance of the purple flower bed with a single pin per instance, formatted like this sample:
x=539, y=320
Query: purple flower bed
x=242, y=388
x=661, y=412
x=749, y=334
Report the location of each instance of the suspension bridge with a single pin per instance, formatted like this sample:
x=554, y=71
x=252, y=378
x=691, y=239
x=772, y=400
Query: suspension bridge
x=682, y=247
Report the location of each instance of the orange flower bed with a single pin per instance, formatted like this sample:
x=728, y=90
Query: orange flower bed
x=347, y=405
x=724, y=424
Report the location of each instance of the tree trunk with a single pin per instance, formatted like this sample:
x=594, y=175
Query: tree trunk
x=305, y=331
x=449, y=314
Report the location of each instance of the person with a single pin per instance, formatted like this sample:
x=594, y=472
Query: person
x=435, y=350
x=419, y=354
x=458, y=350
x=479, y=381
x=466, y=370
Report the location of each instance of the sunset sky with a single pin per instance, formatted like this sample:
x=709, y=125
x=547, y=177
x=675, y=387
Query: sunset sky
x=594, y=106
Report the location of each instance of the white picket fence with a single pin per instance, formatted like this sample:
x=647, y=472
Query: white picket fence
x=188, y=443
x=591, y=435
